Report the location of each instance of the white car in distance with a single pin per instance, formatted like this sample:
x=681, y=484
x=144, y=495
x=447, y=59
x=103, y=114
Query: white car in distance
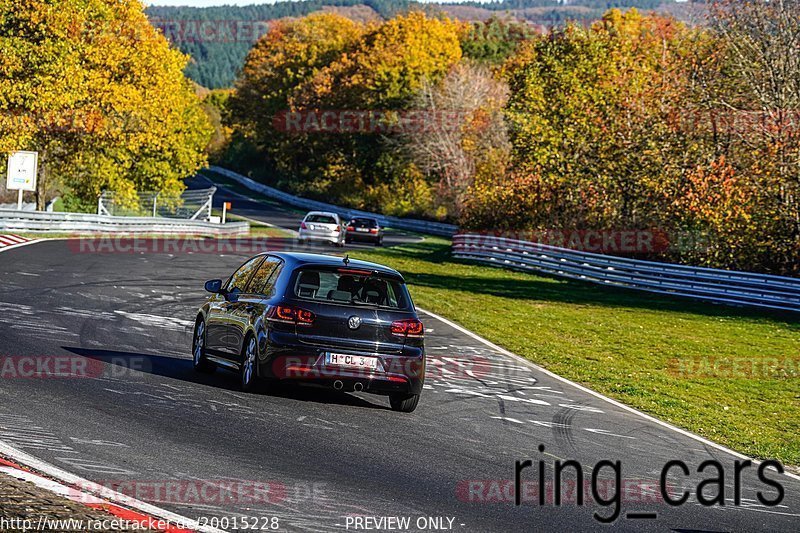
x=321, y=226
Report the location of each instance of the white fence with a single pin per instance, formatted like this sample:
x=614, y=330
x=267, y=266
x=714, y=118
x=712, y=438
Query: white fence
x=38, y=221
x=193, y=204
x=715, y=285
x=410, y=224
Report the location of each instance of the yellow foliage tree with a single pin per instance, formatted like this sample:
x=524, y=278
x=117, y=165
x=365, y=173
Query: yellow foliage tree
x=93, y=87
x=389, y=65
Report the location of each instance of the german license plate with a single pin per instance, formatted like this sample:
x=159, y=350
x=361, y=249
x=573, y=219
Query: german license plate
x=363, y=230
x=351, y=361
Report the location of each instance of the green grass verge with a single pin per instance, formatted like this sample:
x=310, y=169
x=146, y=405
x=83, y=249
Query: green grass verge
x=625, y=344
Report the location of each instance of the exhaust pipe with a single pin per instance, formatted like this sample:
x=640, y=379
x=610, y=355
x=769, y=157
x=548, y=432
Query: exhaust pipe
x=338, y=385
x=358, y=387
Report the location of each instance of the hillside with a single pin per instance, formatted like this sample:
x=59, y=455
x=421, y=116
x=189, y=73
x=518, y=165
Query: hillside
x=218, y=38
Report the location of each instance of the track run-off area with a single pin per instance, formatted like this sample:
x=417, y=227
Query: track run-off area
x=126, y=410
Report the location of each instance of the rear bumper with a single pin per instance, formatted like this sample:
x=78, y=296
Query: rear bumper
x=317, y=236
x=287, y=360
x=362, y=237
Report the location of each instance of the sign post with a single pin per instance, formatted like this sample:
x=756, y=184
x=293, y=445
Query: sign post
x=225, y=207
x=22, y=170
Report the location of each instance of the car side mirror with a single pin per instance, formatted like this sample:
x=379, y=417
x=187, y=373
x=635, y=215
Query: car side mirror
x=214, y=286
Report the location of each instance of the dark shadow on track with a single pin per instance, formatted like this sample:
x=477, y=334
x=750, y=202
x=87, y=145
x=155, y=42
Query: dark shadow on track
x=181, y=369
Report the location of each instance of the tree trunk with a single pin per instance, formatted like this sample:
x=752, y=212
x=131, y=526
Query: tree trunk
x=41, y=182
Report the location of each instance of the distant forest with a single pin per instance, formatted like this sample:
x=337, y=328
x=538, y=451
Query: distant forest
x=218, y=38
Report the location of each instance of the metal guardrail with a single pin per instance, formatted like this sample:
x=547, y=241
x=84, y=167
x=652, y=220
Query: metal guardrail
x=410, y=224
x=39, y=221
x=709, y=284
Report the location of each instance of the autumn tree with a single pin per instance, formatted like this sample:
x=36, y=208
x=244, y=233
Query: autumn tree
x=99, y=93
x=387, y=67
x=328, y=63
x=494, y=40
x=464, y=129
x=290, y=54
x=751, y=88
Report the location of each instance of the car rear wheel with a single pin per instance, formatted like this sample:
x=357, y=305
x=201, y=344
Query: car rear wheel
x=403, y=403
x=249, y=358
x=199, y=361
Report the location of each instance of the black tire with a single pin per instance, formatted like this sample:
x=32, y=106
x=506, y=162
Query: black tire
x=248, y=374
x=379, y=242
x=403, y=403
x=199, y=361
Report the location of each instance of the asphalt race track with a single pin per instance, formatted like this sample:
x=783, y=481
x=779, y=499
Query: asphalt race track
x=279, y=215
x=139, y=419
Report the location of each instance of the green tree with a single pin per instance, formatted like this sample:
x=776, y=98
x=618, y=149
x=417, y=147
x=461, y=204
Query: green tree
x=99, y=93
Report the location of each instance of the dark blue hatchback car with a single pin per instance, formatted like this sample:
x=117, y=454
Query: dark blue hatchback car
x=317, y=319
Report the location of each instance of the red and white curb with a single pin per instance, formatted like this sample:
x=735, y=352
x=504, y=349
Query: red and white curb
x=12, y=240
x=95, y=496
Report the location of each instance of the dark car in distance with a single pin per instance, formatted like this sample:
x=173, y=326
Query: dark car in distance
x=364, y=229
x=317, y=319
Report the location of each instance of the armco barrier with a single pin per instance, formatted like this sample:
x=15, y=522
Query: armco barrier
x=38, y=221
x=710, y=284
x=410, y=224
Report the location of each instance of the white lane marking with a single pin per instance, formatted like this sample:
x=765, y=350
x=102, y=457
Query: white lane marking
x=508, y=419
x=22, y=458
x=608, y=433
x=98, y=442
x=597, y=394
x=523, y=400
x=157, y=321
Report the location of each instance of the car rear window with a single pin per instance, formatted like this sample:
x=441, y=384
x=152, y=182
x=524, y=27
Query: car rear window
x=364, y=223
x=321, y=219
x=341, y=287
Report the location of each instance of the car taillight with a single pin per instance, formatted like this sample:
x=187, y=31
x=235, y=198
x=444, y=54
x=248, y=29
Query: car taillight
x=337, y=229
x=303, y=225
x=410, y=327
x=350, y=228
x=374, y=230
x=295, y=315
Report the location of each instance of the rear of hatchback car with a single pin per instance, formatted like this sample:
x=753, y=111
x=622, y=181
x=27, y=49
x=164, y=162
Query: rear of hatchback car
x=362, y=229
x=350, y=328
x=321, y=226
